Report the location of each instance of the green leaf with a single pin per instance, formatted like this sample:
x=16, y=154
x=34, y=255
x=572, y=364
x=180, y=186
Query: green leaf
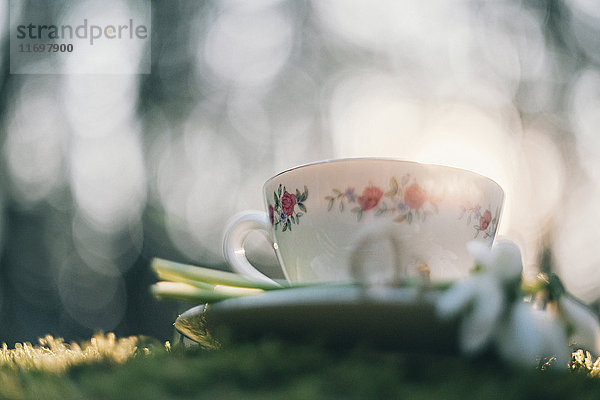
x=285, y=227
x=359, y=214
x=394, y=185
x=409, y=217
x=298, y=215
x=279, y=191
x=330, y=206
x=405, y=179
x=297, y=194
x=298, y=218
x=289, y=226
x=293, y=219
x=400, y=218
x=275, y=199
x=305, y=194
x=302, y=207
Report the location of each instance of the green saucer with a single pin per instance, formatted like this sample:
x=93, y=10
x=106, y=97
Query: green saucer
x=385, y=318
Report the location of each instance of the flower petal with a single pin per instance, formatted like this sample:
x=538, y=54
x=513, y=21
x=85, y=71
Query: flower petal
x=457, y=298
x=478, y=327
x=518, y=341
x=529, y=334
x=481, y=252
x=506, y=260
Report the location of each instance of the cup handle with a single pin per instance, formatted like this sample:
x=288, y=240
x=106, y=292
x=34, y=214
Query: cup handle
x=236, y=232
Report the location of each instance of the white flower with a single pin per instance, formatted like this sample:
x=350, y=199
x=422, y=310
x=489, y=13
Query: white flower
x=492, y=312
x=482, y=294
x=585, y=325
x=503, y=260
x=529, y=333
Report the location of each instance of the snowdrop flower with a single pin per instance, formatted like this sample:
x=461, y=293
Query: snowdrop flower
x=490, y=303
x=583, y=322
x=503, y=260
x=483, y=294
x=529, y=334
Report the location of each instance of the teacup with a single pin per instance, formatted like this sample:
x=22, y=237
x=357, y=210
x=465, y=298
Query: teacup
x=370, y=219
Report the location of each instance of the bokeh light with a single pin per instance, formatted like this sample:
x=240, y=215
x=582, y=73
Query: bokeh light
x=35, y=142
x=103, y=57
x=577, y=240
x=246, y=46
x=583, y=107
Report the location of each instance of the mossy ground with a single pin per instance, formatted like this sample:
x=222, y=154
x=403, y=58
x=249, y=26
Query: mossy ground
x=272, y=369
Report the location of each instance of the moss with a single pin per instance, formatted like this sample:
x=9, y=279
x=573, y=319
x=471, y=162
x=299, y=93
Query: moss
x=272, y=369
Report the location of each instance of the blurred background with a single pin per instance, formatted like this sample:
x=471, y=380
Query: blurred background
x=100, y=173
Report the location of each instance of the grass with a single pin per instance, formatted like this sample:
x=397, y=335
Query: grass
x=131, y=368
x=54, y=355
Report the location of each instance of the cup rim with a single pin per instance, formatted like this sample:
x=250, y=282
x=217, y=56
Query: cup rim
x=339, y=160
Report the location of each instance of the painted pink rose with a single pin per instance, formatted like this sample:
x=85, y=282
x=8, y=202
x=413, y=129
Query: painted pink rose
x=271, y=214
x=288, y=201
x=370, y=197
x=415, y=196
x=485, y=219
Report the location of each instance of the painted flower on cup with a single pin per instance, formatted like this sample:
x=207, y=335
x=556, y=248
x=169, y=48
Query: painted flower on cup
x=415, y=196
x=287, y=208
x=404, y=200
x=487, y=221
x=370, y=198
x=350, y=194
x=288, y=202
x=271, y=214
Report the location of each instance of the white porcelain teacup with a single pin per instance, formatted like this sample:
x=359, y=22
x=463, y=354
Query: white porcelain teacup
x=376, y=219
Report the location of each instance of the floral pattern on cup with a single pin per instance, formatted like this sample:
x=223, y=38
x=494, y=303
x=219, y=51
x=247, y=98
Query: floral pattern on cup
x=485, y=221
x=287, y=208
x=404, y=200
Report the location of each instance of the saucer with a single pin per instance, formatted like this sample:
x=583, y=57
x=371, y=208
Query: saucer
x=380, y=317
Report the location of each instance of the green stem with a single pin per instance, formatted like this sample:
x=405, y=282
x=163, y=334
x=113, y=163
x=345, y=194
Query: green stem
x=184, y=292
x=173, y=271
x=168, y=276
x=205, y=285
